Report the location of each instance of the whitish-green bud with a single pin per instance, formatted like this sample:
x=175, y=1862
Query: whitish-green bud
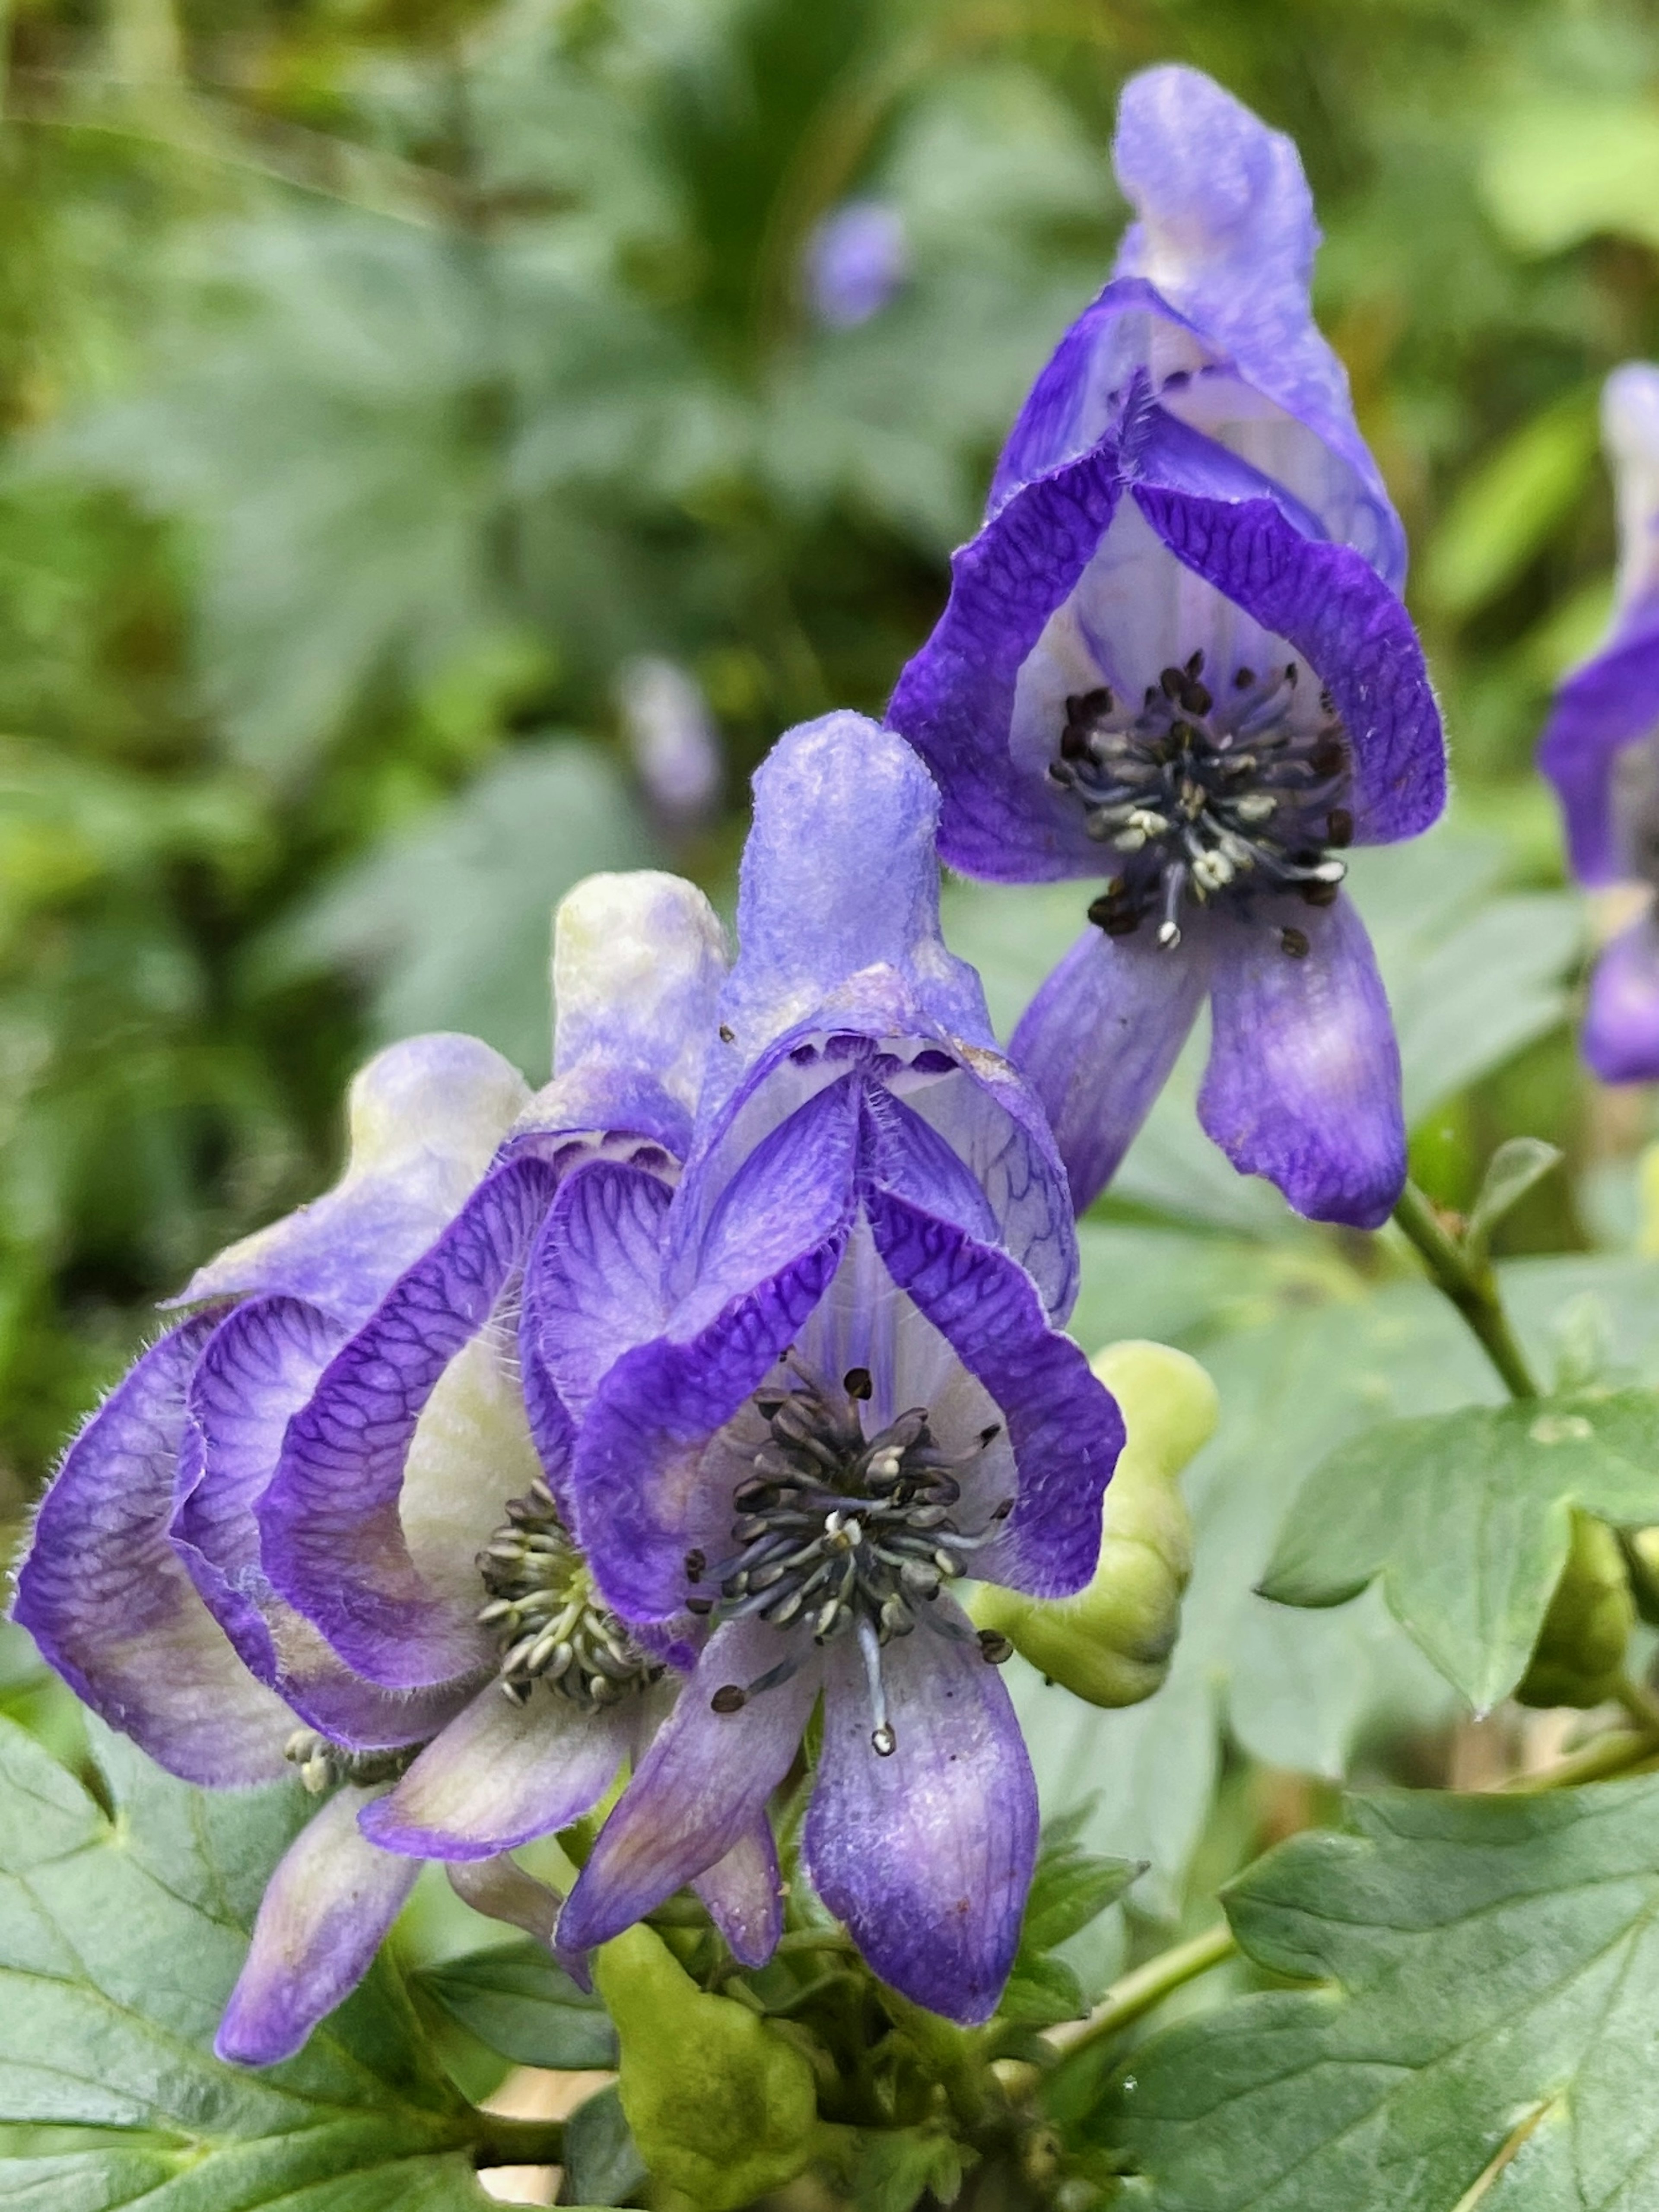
x=1111, y=1643
x=1580, y=1652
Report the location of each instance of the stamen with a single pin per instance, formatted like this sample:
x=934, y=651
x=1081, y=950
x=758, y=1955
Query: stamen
x=882, y=1738
x=323, y=1764
x=549, y=1619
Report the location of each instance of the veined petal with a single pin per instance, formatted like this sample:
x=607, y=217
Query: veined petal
x=502, y=1774
x=1063, y=1426
x=110, y=1604
x=396, y=1468
x=325, y=1912
x=1303, y=1081
x=743, y=1895
x=1355, y=634
x=700, y=1792
x=1097, y=1042
x=1621, y=1024
x=926, y=1855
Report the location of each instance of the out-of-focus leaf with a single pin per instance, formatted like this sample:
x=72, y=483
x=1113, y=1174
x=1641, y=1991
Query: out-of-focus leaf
x=1514, y=1169
x=450, y=923
x=515, y=1999
x=601, y=2163
x=1493, y=2010
x=1564, y=166
x=1510, y=507
x=119, y=1941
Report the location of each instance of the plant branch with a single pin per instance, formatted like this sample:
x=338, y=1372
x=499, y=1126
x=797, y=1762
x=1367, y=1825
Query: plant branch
x=500, y=2141
x=1616, y=1754
x=1137, y=1992
x=1470, y=1285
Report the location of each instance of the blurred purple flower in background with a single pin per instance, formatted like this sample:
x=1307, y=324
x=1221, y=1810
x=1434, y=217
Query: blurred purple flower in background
x=1176, y=654
x=856, y=1395
x=1601, y=746
x=856, y=260
x=672, y=738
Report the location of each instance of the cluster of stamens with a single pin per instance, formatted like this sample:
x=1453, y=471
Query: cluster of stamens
x=545, y=1611
x=1204, y=798
x=322, y=1764
x=838, y=1531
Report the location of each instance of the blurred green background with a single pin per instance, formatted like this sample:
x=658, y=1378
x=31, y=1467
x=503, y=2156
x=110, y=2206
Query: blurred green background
x=379, y=379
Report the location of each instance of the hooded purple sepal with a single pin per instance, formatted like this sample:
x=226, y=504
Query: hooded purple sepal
x=1621, y=1023
x=1610, y=703
x=106, y=1598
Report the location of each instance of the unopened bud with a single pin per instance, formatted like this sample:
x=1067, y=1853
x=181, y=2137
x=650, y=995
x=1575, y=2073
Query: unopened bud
x=1579, y=1656
x=722, y=2108
x=1110, y=1644
x=1641, y=1547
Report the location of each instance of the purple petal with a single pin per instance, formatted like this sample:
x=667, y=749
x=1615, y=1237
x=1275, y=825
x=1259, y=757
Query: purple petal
x=1097, y=1042
x=1621, y=1024
x=856, y=258
x=1303, y=1081
x=1063, y=1425
x=926, y=1855
x=500, y=1775
x=743, y=1894
x=111, y=1606
x=425, y=1117
x=1611, y=702
x=955, y=701
x=1356, y=635
x=699, y=1792
x=325, y=1910
x=372, y=1518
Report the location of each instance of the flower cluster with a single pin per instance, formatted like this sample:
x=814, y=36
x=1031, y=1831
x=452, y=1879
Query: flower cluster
x=628, y=1428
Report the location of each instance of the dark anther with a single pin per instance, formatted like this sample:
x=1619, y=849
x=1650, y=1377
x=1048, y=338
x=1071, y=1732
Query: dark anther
x=1243, y=679
x=729, y=1699
x=1292, y=671
x=1295, y=942
x=1172, y=682
x=1002, y=1512
x=989, y=1436
x=1320, y=894
x=857, y=1383
x=1195, y=665
x=728, y=1034
x=1073, y=742
x=695, y=1563
x=883, y=1741
x=1338, y=826
x=700, y=1605
x=1327, y=756
x=994, y=1650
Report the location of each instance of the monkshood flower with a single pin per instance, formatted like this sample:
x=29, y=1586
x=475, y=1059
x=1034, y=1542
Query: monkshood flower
x=856, y=1395
x=1175, y=656
x=142, y=1583
x=419, y=1516
x=1601, y=747
x=672, y=738
x=857, y=258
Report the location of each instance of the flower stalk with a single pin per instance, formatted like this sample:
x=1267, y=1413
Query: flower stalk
x=1471, y=1286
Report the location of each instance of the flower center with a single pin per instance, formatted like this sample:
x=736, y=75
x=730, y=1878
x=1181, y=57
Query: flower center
x=547, y=1615
x=836, y=1530
x=323, y=1764
x=1205, y=797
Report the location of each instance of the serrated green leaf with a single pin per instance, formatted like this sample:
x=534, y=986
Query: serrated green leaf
x=602, y=2164
x=1041, y=1990
x=1495, y=1964
x=515, y=1998
x=118, y=1944
x=1068, y=1890
x=1467, y=1518
x=895, y=2166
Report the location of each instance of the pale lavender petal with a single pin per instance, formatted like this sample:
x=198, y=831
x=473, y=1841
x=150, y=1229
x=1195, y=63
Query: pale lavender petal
x=338, y=1521
x=1354, y=633
x=1621, y=1024
x=926, y=1855
x=425, y=1119
x=501, y=1890
x=1063, y=1425
x=700, y=1792
x=111, y=1606
x=743, y=1894
x=324, y=1914
x=502, y=1774
x=1303, y=1081
x=1097, y=1042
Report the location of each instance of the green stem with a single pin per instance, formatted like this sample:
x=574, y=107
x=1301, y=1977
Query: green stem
x=499, y=2142
x=1137, y=1992
x=1608, y=1755
x=1472, y=1288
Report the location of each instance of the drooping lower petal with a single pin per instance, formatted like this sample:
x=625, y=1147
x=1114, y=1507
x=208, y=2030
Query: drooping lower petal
x=502, y=1774
x=108, y=1601
x=1621, y=1023
x=325, y=1912
x=700, y=1790
x=926, y=1854
x=1303, y=1082
x=1097, y=1042
x=742, y=1893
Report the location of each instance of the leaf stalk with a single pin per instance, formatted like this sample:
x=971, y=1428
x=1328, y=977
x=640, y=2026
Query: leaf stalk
x=1471, y=1286
x=1138, y=1991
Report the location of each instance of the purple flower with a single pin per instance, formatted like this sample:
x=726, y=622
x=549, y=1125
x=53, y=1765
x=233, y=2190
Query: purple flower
x=1175, y=654
x=856, y=1395
x=672, y=735
x=1600, y=748
x=857, y=258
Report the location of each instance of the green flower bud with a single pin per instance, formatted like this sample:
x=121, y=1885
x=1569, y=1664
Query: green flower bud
x=1111, y=1643
x=1641, y=1547
x=1580, y=1652
x=722, y=2108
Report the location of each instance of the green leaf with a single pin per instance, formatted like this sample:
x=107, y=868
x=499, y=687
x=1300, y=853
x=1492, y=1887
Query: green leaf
x=515, y=1998
x=1466, y=1517
x=601, y=2163
x=1513, y=1170
x=1508, y=509
x=896, y=2165
x=1495, y=2007
x=1068, y=1890
x=119, y=1941
x=1041, y=1990
x=1564, y=166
